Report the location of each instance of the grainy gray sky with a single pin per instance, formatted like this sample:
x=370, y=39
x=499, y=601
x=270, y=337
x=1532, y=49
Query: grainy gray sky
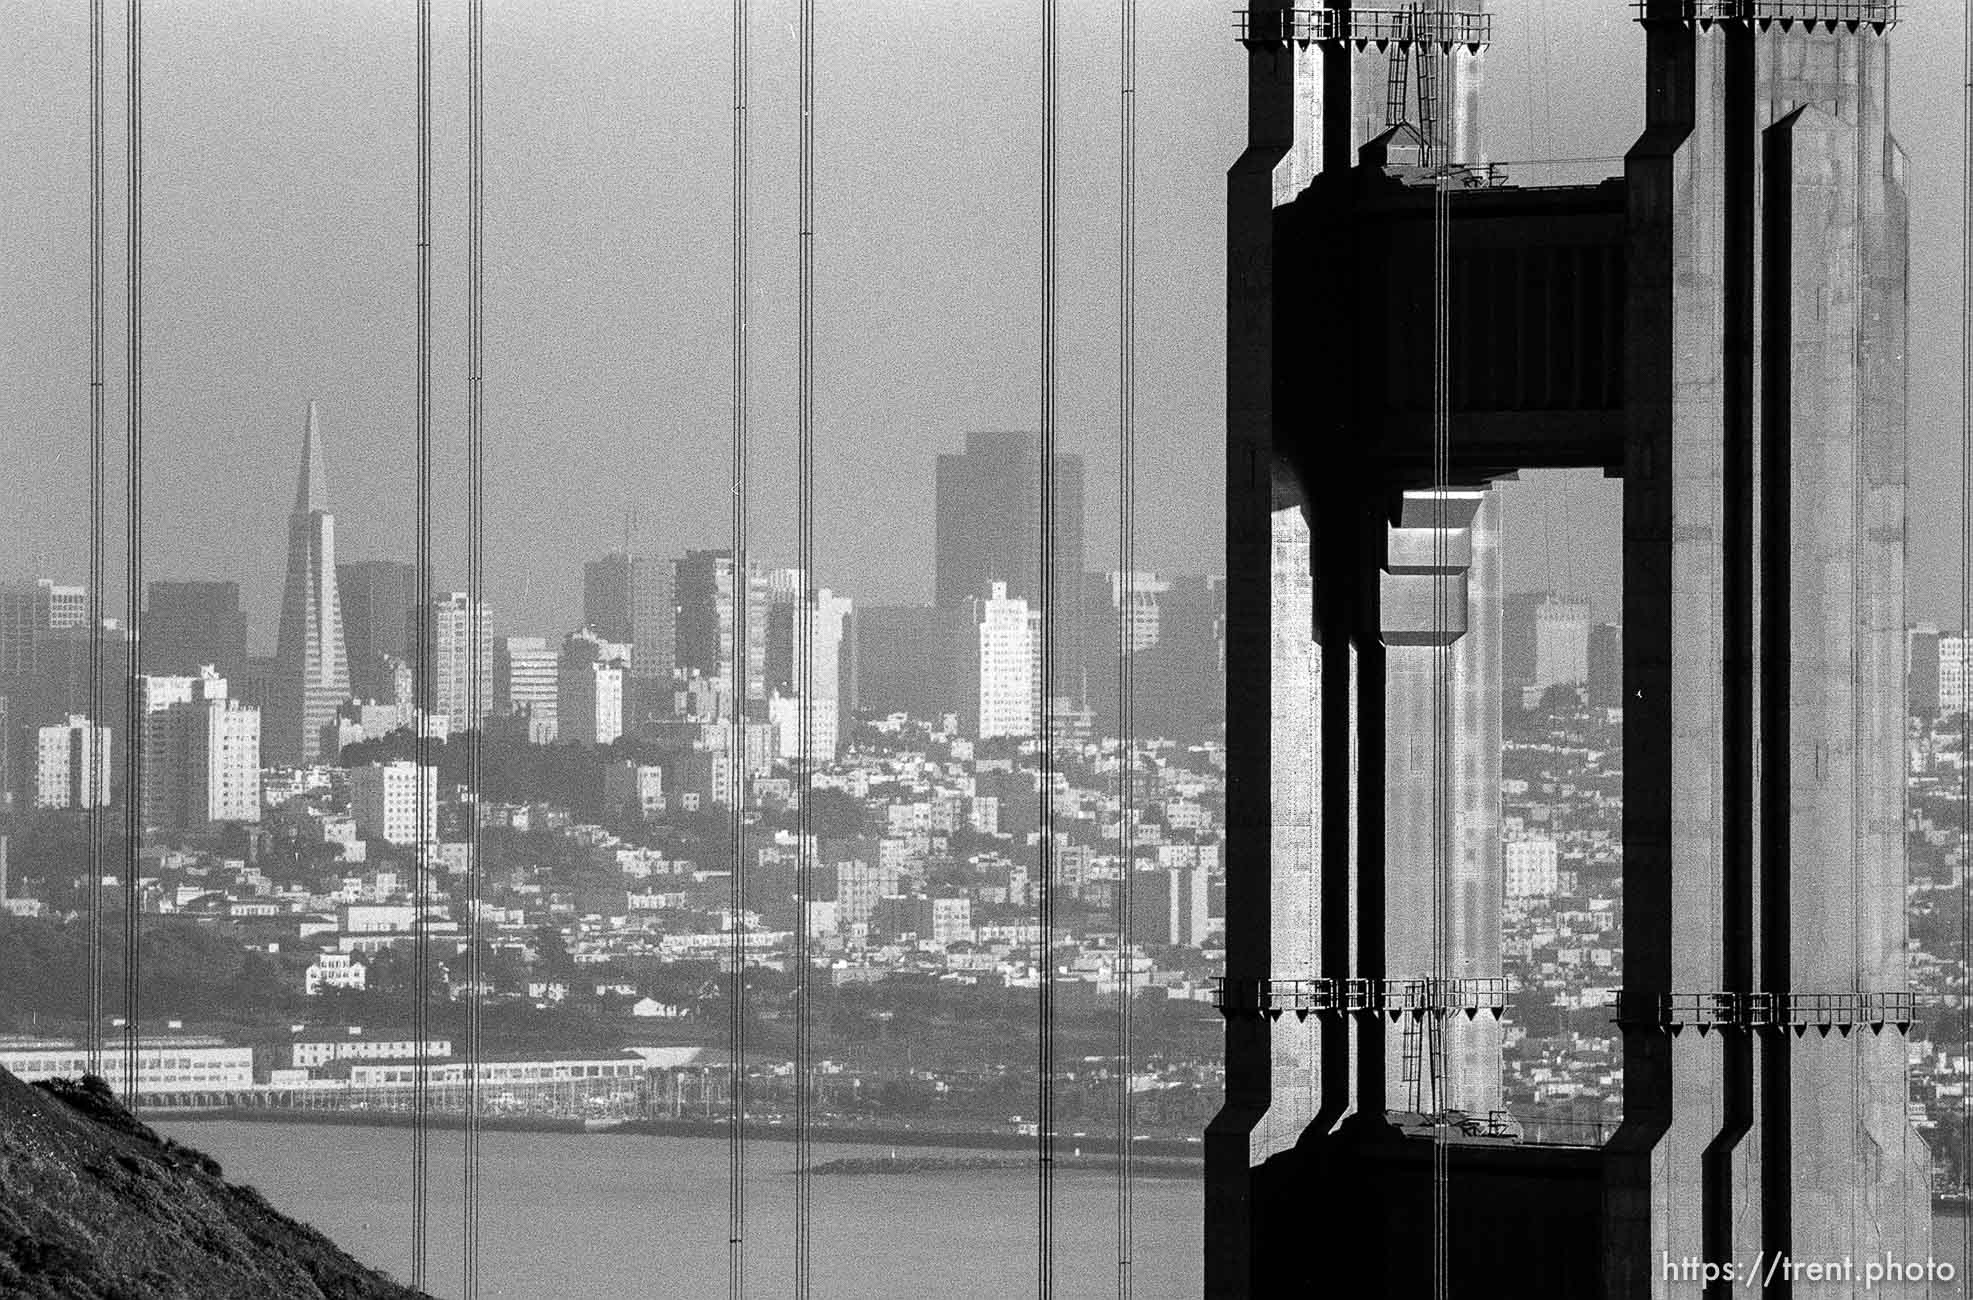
x=279, y=254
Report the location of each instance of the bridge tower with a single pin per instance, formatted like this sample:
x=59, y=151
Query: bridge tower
x=1723, y=326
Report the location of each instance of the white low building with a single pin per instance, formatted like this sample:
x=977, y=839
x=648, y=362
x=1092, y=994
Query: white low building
x=335, y=970
x=163, y=1065
x=627, y=1066
x=309, y=1054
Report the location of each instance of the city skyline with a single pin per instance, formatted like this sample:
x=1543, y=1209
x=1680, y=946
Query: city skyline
x=343, y=668
x=285, y=312
x=315, y=543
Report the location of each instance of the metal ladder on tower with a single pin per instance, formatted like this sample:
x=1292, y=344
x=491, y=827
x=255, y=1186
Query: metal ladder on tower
x=1413, y=1072
x=1397, y=86
x=1427, y=31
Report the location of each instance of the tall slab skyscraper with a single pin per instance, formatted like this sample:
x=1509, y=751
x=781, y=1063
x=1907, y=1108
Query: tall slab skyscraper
x=312, y=670
x=987, y=529
x=378, y=600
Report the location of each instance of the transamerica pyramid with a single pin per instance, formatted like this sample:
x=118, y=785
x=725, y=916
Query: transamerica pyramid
x=311, y=676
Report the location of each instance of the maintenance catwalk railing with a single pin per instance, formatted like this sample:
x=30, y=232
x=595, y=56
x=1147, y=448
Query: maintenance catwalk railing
x=1395, y=998
x=1724, y=1010
x=1877, y=15
x=1413, y=25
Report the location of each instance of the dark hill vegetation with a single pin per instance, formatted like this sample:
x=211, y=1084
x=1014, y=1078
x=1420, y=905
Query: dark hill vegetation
x=96, y=1206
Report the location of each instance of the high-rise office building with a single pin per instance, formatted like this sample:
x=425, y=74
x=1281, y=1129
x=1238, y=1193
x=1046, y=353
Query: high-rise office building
x=26, y=611
x=190, y=625
x=1175, y=657
x=17, y=629
x=258, y=689
x=910, y=659
x=1922, y=671
x=525, y=673
x=1005, y=682
x=827, y=696
x=1181, y=681
x=784, y=591
x=200, y=753
x=312, y=670
x=632, y=599
x=58, y=683
x=704, y=587
x=58, y=687
x=830, y=718
x=71, y=765
x=378, y=598
x=1141, y=594
x=1124, y=613
x=589, y=695
x=987, y=526
x=1954, y=649
x=1606, y=666
x=1169, y=906
x=606, y=598
x=394, y=802
x=29, y=612
x=653, y=639
x=1518, y=611
x=62, y=606
x=462, y=661
x=1561, y=643
x=831, y=615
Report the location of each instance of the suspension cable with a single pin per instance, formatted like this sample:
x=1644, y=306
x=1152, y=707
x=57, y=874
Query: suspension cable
x=476, y=628
x=805, y=597
x=97, y=779
x=1045, y=1036
x=133, y=783
x=424, y=625
x=1965, y=603
x=1861, y=752
x=737, y=685
x=1126, y=597
x=1435, y=56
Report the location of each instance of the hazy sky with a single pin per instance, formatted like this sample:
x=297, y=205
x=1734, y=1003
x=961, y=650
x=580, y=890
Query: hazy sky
x=279, y=256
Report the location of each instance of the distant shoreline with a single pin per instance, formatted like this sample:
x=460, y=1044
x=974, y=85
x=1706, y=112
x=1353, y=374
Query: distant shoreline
x=1154, y=1158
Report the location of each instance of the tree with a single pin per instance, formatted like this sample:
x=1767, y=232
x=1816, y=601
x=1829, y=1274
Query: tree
x=554, y=961
x=835, y=814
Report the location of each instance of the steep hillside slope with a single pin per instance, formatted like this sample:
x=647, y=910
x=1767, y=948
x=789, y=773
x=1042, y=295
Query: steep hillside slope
x=94, y=1204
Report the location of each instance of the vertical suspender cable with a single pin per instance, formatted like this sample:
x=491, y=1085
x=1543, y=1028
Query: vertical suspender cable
x=97, y=780
x=1126, y=596
x=476, y=629
x=736, y=1172
x=1860, y=751
x=1965, y=600
x=805, y=645
x=1434, y=54
x=423, y=625
x=133, y=781
x=1045, y=1082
